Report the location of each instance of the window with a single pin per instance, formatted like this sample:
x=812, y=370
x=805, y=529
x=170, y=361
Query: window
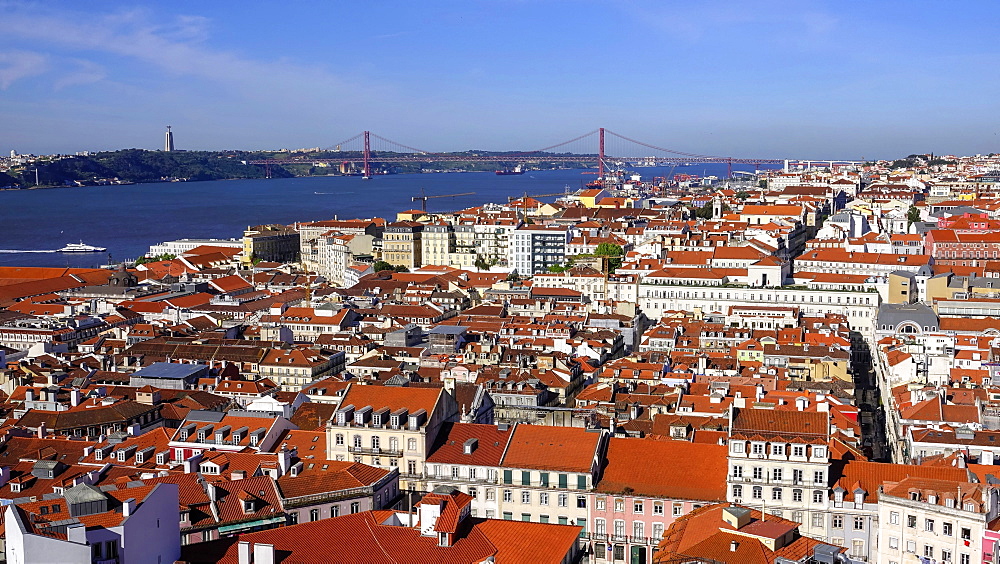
x=581, y=482
x=838, y=522
x=798, y=451
x=858, y=548
x=911, y=521
x=758, y=473
x=637, y=506
x=454, y=472
x=929, y=525
x=778, y=450
x=797, y=496
x=543, y=479
x=964, y=559
x=525, y=497
x=600, y=527
x=543, y=518
x=928, y=551
x=776, y=474
x=818, y=519
x=817, y=496
x=657, y=531
x=619, y=505
x=507, y=515
x=893, y=517
x=411, y=444
x=563, y=500
x=564, y=481
x=619, y=528
x=376, y=442
x=966, y=534
x=776, y=494
x=819, y=477
x=491, y=494
x=599, y=504
x=638, y=530
x=508, y=496
x=758, y=492
x=525, y=478
x=737, y=471
x=946, y=555
x=757, y=448
x=339, y=439
x=334, y=511
x=474, y=493
x=946, y=529
x=657, y=508
x=526, y=517
x=314, y=514
x=859, y=523
x=894, y=543
x=581, y=502
x=508, y=476
x=357, y=441
x=355, y=507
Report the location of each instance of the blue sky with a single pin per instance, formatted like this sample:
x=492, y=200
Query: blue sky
x=795, y=79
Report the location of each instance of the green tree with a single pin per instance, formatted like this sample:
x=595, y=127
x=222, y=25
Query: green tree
x=481, y=263
x=612, y=253
x=513, y=276
x=912, y=216
x=381, y=265
x=742, y=195
x=157, y=258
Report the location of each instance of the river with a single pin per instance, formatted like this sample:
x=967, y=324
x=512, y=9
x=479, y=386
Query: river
x=128, y=219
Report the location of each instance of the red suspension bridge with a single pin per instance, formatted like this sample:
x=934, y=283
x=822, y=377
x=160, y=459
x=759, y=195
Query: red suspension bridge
x=613, y=151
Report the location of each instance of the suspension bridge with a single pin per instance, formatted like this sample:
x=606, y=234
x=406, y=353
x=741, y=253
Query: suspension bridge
x=366, y=149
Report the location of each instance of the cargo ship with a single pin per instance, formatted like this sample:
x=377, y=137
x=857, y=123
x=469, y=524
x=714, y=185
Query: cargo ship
x=510, y=171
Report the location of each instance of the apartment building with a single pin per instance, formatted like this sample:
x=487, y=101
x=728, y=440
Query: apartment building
x=780, y=461
x=533, y=248
x=390, y=427
x=935, y=521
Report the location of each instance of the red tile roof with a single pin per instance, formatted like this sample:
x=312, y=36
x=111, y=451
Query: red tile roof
x=703, y=466
x=567, y=449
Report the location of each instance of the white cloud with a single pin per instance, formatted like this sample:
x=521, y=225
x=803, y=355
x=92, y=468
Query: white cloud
x=178, y=47
x=15, y=65
x=85, y=72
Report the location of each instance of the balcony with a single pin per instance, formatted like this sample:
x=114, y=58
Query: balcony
x=375, y=451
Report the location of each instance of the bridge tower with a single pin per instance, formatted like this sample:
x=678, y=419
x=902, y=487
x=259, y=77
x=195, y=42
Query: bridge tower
x=600, y=158
x=368, y=155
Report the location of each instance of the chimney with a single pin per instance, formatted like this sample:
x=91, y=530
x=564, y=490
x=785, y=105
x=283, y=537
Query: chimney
x=74, y=397
x=285, y=459
x=263, y=553
x=733, y=545
x=41, y=430
x=29, y=394
x=243, y=553
x=128, y=507
x=133, y=430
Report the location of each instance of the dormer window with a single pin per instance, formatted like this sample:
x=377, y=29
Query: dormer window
x=442, y=539
x=248, y=505
x=15, y=487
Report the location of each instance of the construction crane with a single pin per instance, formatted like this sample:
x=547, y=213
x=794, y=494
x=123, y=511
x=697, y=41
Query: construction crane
x=422, y=198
